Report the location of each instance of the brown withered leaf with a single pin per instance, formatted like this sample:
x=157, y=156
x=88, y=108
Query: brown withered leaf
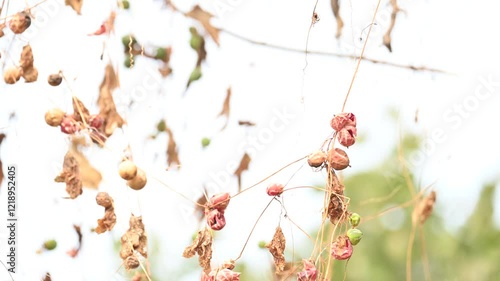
x=107, y=107
x=277, y=248
x=226, y=107
x=202, y=245
x=246, y=123
x=204, y=17
x=336, y=205
x=424, y=208
x=90, y=176
x=74, y=252
x=109, y=220
x=244, y=163
x=75, y=4
x=80, y=111
x=2, y=136
x=172, y=153
x=47, y=277
x=134, y=239
x=336, y=12
x=71, y=176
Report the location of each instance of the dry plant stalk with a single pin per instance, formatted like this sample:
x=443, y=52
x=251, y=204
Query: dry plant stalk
x=226, y=108
x=134, y=239
x=90, y=176
x=109, y=220
x=71, y=176
x=202, y=245
x=277, y=248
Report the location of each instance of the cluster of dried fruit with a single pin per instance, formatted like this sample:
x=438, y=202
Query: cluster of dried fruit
x=26, y=68
x=135, y=177
x=214, y=210
x=109, y=220
x=135, y=239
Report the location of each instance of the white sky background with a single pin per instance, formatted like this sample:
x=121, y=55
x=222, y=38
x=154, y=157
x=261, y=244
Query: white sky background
x=455, y=36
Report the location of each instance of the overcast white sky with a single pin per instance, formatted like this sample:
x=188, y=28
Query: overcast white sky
x=455, y=36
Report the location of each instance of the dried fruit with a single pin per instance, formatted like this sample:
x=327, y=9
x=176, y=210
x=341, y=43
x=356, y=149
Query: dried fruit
x=222, y=275
x=30, y=74
x=139, y=181
x=342, y=248
x=161, y=54
x=71, y=176
x=134, y=239
x=127, y=170
x=316, y=159
x=354, y=235
x=275, y=189
x=220, y=201
x=109, y=220
x=277, y=248
x=50, y=244
x=309, y=273
x=69, y=125
x=125, y=4
x=354, y=219
x=216, y=219
x=337, y=159
x=342, y=120
x=347, y=136
x=202, y=246
x=96, y=121
x=55, y=79
x=54, y=117
x=424, y=208
x=20, y=22
x=12, y=75
x=131, y=262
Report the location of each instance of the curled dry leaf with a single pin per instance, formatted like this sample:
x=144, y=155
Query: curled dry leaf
x=134, y=239
x=90, y=176
x=226, y=108
x=336, y=12
x=277, y=248
x=424, y=208
x=71, y=176
x=342, y=248
x=387, y=39
x=244, y=163
x=107, y=107
x=109, y=220
x=336, y=206
x=172, y=153
x=75, y=5
x=204, y=17
x=309, y=273
x=220, y=201
x=202, y=245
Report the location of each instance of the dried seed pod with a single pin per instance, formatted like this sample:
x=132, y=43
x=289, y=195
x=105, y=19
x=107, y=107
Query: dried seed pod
x=216, y=219
x=337, y=159
x=127, y=170
x=275, y=189
x=55, y=79
x=30, y=74
x=20, y=22
x=139, y=181
x=131, y=262
x=342, y=248
x=220, y=201
x=342, y=120
x=354, y=219
x=354, y=235
x=69, y=125
x=309, y=273
x=347, y=136
x=103, y=199
x=316, y=159
x=54, y=117
x=12, y=75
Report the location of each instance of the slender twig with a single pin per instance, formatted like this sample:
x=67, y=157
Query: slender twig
x=387, y=36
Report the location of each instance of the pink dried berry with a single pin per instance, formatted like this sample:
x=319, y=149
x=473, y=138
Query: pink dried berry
x=338, y=159
x=275, y=189
x=309, y=273
x=223, y=275
x=342, y=120
x=220, y=201
x=347, y=136
x=342, y=248
x=69, y=125
x=96, y=121
x=216, y=219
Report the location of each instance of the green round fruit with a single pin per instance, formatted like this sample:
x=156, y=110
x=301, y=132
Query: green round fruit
x=50, y=244
x=205, y=142
x=126, y=5
x=126, y=41
x=262, y=244
x=127, y=62
x=354, y=219
x=161, y=126
x=354, y=235
x=161, y=54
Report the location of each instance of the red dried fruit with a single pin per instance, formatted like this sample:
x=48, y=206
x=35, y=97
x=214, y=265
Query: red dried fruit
x=54, y=117
x=20, y=22
x=220, y=201
x=96, y=121
x=338, y=159
x=316, y=159
x=216, y=219
x=69, y=125
x=347, y=136
x=342, y=120
x=127, y=170
x=275, y=189
x=342, y=248
x=309, y=273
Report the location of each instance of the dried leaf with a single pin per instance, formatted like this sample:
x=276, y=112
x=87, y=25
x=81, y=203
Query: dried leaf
x=202, y=245
x=172, y=153
x=47, y=277
x=107, y=107
x=80, y=112
x=71, y=176
x=277, y=248
x=246, y=123
x=109, y=220
x=74, y=252
x=90, y=176
x=75, y=4
x=204, y=17
x=424, y=208
x=336, y=206
x=336, y=13
x=134, y=239
x=244, y=163
x=226, y=107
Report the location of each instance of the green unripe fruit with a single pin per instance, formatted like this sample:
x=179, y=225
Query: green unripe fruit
x=161, y=54
x=262, y=244
x=354, y=235
x=161, y=126
x=50, y=244
x=354, y=219
x=127, y=62
x=205, y=142
x=126, y=41
x=126, y=5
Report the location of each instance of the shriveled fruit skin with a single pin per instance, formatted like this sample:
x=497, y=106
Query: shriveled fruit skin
x=54, y=117
x=275, y=189
x=127, y=170
x=12, y=75
x=20, y=22
x=338, y=159
x=54, y=79
x=139, y=181
x=316, y=159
